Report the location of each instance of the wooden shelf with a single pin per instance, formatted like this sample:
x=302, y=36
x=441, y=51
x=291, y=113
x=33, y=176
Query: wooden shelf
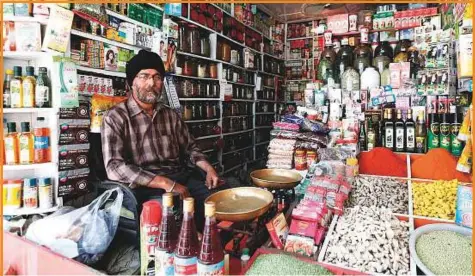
x=102, y=71
x=26, y=55
x=192, y=77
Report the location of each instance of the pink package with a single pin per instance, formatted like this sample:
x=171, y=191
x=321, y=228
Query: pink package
x=303, y=228
x=319, y=235
x=395, y=73
x=305, y=215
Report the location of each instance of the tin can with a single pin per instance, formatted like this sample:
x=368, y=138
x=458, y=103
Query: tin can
x=45, y=193
x=300, y=159
x=30, y=193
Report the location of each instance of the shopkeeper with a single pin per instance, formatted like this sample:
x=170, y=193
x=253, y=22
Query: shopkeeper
x=147, y=145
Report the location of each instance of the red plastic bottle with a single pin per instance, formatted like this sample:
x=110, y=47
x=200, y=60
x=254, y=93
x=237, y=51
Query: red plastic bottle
x=186, y=254
x=149, y=231
x=167, y=239
x=211, y=257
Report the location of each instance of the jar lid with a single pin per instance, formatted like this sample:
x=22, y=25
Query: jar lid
x=14, y=181
x=30, y=182
x=44, y=181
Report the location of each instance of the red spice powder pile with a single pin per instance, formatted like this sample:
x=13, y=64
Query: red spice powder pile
x=438, y=164
x=382, y=161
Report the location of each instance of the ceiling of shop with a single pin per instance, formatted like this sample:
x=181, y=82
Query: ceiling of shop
x=309, y=11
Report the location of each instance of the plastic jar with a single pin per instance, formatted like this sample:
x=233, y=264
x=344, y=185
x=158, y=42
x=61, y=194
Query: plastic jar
x=45, y=193
x=352, y=168
x=30, y=193
x=300, y=159
x=12, y=193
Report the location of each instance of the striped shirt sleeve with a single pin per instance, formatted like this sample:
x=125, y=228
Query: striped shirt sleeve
x=114, y=157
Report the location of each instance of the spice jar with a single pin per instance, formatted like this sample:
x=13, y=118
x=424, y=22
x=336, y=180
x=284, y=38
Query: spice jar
x=194, y=91
x=300, y=159
x=187, y=67
x=194, y=40
x=202, y=87
x=186, y=89
x=209, y=111
x=249, y=93
x=226, y=52
x=187, y=112
x=213, y=71
x=213, y=89
x=183, y=43
x=205, y=46
x=311, y=157
x=234, y=57
x=202, y=70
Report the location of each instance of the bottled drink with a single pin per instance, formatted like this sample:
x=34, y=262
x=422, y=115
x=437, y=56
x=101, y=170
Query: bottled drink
x=410, y=130
x=433, y=132
x=149, y=230
x=7, y=103
x=16, y=88
x=389, y=131
x=381, y=129
x=399, y=128
x=444, y=133
x=167, y=239
x=455, y=144
x=188, y=246
x=371, y=140
x=42, y=142
x=11, y=145
x=26, y=144
x=42, y=96
x=362, y=138
x=211, y=257
x=363, y=53
x=421, y=134
x=29, y=84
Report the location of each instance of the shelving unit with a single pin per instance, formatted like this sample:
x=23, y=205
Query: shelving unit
x=101, y=71
x=42, y=21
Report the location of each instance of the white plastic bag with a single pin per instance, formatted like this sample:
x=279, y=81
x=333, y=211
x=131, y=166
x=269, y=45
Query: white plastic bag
x=83, y=234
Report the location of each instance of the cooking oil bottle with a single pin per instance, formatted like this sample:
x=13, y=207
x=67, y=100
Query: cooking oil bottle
x=11, y=145
x=16, y=88
x=29, y=84
x=26, y=142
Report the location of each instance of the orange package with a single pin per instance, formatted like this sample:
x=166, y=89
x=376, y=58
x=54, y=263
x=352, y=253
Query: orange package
x=99, y=105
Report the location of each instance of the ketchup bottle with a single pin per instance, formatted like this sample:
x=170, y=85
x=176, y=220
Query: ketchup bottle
x=149, y=230
x=187, y=249
x=211, y=257
x=167, y=239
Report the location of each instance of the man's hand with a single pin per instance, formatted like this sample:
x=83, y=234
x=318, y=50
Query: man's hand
x=212, y=179
x=181, y=190
x=160, y=182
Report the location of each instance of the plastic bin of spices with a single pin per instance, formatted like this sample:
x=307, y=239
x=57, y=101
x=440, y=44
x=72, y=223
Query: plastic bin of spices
x=12, y=193
x=45, y=193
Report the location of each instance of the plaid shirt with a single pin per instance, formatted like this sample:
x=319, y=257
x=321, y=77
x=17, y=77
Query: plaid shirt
x=138, y=147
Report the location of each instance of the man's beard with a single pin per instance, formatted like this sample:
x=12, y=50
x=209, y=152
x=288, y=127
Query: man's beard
x=147, y=95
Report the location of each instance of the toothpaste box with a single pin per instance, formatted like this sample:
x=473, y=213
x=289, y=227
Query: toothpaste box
x=463, y=213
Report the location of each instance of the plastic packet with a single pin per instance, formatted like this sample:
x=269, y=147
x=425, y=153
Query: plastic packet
x=464, y=163
x=286, y=126
x=284, y=134
x=312, y=137
x=334, y=154
x=316, y=127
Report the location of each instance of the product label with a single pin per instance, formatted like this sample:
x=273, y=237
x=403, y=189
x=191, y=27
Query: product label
x=410, y=138
x=208, y=270
x=9, y=151
x=28, y=94
x=164, y=263
x=456, y=145
x=6, y=99
x=73, y=159
x=186, y=266
x=41, y=142
x=45, y=196
x=371, y=138
x=389, y=138
x=30, y=197
x=15, y=94
x=445, y=142
x=25, y=150
x=400, y=138
x=41, y=95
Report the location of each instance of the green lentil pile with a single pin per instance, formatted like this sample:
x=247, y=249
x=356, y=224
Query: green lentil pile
x=445, y=252
x=281, y=264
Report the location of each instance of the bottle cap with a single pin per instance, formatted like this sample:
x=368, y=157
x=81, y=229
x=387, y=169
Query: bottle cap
x=25, y=127
x=29, y=182
x=17, y=71
x=351, y=161
x=167, y=199
x=44, y=181
x=189, y=205
x=42, y=70
x=210, y=209
x=245, y=251
x=30, y=70
x=11, y=126
x=151, y=212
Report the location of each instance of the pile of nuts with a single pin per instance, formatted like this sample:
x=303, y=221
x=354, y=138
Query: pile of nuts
x=371, y=240
x=380, y=192
x=435, y=199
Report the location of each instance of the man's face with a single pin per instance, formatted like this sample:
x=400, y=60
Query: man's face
x=147, y=86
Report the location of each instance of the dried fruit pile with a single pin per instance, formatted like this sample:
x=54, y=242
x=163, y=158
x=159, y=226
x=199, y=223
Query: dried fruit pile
x=435, y=199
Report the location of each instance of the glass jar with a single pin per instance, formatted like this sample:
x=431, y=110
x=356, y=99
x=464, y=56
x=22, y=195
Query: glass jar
x=209, y=111
x=194, y=112
x=187, y=67
x=213, y=88
x=350, y=80
x=234, y=57
x=249, y=93
x=213, y=71
x=201, y=110
x=183, y=43
x=235, y=76
x=187, y=112
x=194, y=40
x=201, y=89
x=226, y=52
x=194, y=89
x=205, y=46
x=202, y=70
x=186, y=89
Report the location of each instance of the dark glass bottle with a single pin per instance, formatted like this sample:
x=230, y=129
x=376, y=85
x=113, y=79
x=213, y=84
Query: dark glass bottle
x=410, y=132
x=389, y=131
x=344, y=58
x=363, y=53
x=399, y=129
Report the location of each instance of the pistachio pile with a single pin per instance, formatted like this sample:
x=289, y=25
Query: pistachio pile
x=371, y=240
x=380, y=192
